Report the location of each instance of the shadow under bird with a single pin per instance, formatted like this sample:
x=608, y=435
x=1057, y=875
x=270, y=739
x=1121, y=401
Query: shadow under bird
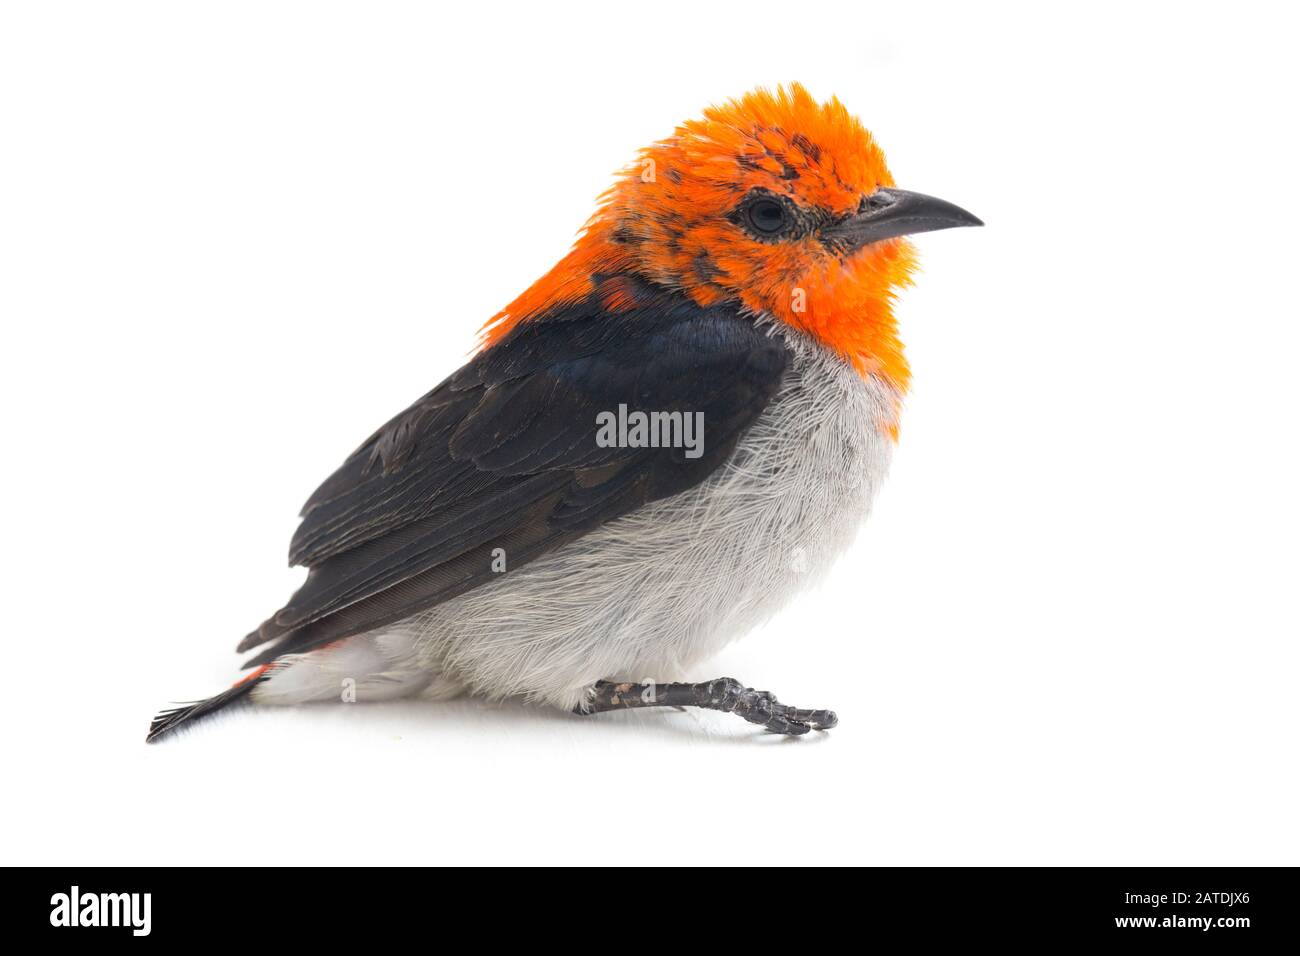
x=658, y=444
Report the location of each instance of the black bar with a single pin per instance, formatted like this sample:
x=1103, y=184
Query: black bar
x=1231, y=907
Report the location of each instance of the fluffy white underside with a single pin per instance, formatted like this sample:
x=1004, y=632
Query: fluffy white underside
x=656, y=591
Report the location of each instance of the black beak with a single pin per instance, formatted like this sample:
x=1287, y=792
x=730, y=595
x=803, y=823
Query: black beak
x=887, y=213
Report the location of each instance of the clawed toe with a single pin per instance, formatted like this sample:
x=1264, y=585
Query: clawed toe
x=817, y=719
x=794, y=722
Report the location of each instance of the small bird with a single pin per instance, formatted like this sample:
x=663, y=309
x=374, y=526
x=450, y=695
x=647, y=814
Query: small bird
x=659, y=443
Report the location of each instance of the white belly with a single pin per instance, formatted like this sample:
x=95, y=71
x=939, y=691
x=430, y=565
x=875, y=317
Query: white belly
x=653, y=592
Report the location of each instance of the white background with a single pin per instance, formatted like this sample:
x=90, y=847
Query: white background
x=234, y=238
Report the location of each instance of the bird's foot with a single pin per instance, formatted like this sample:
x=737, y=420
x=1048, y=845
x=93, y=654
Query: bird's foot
x=723, y=694
x=796, y=717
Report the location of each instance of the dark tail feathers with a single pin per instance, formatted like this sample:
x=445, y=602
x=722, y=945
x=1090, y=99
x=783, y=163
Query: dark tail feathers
x=169, y=720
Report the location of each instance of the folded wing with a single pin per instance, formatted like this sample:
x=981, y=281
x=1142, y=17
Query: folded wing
x=505, y=454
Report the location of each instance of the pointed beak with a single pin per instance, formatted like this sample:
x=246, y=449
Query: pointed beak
x=887, y=213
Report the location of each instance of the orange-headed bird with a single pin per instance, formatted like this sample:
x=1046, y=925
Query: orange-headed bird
x=668, y=435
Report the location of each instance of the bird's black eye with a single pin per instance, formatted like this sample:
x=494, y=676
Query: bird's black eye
x=766, y=217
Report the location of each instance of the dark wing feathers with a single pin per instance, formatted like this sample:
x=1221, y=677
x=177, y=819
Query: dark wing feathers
x=503, y=454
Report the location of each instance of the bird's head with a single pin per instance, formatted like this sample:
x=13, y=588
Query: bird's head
x=774, y=201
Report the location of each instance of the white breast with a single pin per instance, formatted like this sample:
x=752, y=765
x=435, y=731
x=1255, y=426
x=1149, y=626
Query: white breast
x=656, y=591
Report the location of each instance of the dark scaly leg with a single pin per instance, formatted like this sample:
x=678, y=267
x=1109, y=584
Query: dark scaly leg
x=724, y=694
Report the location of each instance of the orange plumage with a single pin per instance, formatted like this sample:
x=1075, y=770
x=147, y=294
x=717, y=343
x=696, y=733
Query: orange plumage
x=666, y=219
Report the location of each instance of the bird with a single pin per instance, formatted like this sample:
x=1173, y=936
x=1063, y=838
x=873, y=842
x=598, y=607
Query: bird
x=670, y=434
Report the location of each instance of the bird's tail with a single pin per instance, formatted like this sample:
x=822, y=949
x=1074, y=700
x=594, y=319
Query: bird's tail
x=169, y=720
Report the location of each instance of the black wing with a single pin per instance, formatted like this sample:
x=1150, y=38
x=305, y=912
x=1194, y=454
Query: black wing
x=504, y=454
